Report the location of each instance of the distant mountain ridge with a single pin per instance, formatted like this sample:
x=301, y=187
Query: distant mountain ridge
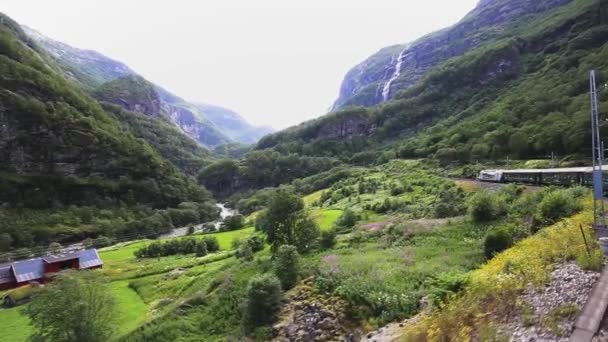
x=399, y=67
x=107, y=77
x=233, y=124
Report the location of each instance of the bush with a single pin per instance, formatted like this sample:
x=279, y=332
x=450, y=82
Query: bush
x=256, y=243
x=179, y=246
x=328, y=238
x=200, y=249
x=212, y=244
x=245, y=252
x=591, y=262
x=557, y=204
x=486, y=206
x=288, y=266
x=233, y=223
x=496, y=242
x=263, y=301
x=348, y=219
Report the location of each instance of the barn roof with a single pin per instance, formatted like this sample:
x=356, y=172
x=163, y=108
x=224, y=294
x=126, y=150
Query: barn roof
x=61, y=257
x=27, y=270
x=89, y=258
x=6, y=275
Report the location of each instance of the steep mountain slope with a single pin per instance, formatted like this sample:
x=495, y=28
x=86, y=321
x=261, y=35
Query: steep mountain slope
x=91, y=69
x=233, y=124
x=396, y=68
x=524, y=95
x=59, y=148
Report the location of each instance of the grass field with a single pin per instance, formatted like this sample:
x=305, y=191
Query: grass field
x=125, y=251
x=15, y=326
x=325, y=218
x=132, y=310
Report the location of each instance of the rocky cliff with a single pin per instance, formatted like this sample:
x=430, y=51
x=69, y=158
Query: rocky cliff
x=400, y=67
x=114, y=82
x=59, y=147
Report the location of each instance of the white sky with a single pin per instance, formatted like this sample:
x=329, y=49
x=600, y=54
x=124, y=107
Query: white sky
x=277, y=62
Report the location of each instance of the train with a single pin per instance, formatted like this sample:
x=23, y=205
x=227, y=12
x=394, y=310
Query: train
x=568, y=176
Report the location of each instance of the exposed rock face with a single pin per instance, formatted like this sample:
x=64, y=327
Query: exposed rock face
x=193, y=124
x=311, y=316
x=350, y=127
x=364, y=83
x=133, y=93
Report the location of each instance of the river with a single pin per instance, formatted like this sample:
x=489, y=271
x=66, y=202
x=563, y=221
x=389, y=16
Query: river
x=224, y=212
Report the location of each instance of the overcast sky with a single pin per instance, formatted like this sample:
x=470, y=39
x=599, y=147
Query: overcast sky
x=277, y=62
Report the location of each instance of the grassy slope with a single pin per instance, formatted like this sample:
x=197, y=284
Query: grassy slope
x=493, y=289
x=134, y=307
x=15, y=326
x=132, y=310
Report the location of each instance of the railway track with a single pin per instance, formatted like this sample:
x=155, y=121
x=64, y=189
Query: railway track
x=593, y=315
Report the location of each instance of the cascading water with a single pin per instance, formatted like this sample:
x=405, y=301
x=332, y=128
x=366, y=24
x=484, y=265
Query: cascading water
x=386, y=91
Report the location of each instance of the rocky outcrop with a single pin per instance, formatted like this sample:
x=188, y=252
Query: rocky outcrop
x=363, y=85
x=133, y=93
x=312, y=316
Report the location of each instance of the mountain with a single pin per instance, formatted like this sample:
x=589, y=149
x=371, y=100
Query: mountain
x=114, y=82
x=89, y=68
x=510, y=80
x=400, y=67
x=69, y=166
x=233, y=124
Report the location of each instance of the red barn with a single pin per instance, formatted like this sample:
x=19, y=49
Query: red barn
x=22, y=272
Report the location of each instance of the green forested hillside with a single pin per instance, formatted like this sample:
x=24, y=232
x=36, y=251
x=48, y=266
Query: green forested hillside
x=60, y=148
x=511, y=97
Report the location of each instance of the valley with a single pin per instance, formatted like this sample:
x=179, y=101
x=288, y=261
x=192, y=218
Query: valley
x=368, y=223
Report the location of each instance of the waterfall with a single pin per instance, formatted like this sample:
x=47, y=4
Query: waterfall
x=386, y=91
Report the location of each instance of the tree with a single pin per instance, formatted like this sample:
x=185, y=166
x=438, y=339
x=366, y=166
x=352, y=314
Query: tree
x=281, y=219
x=306, y=234
x=288, y=266
x=74, y=307
x=6, y=241
x=212, y=244
x=348, y=219
x=263, y=301
x=200, y=249
x=328, y=238
x=233, y=222
x=245, y=252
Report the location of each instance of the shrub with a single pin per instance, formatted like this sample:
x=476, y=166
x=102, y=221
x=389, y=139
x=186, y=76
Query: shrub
x=256, y=243
x=557, y=204
x=348, y=219
x=212, y=244
x=233, y=223
x=486, y=206
x=263, y=301
x=328, y=238
x=496, y=242
x=200, y=249
x=288, y=266
x=591, y=262
x=245, y=252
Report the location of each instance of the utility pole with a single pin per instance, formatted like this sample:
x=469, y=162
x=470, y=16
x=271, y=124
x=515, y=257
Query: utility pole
x=599, y=213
